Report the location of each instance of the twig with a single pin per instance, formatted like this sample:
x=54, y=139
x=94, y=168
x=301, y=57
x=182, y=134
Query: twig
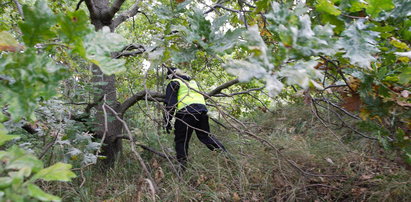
x=145, y=147
x=239, y=93
x=334, y=86
x=223, y=7
x=78, y=4
x=345, y=124
x=18, y=5
x=148, y=19
x=336, y=106
x=103, y=106
x=133, y=146
x=48, y=146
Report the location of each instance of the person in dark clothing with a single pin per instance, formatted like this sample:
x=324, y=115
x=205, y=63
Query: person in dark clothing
x=182, y=95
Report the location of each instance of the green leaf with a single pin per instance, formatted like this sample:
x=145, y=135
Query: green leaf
x=99, y=46
x=355, y=5
x=334, y=20
x=3, y=118
x=359, y=44
x=405, y=76
x=27, y=161
x=74, y=26
x=398, y=44
x=376, y=6
x=3, y=135
x=273, y=85
x=326, y=6
x=226, y=42
x=5, y=182
x=301, y=73
x=35, y=192
x=262, y=5
x=59, y=171
x=32, y=76
x=17, y=158
x=297, y=34
x=181, y=6
x=402, y=9
x=37, y=23
x=245, y=70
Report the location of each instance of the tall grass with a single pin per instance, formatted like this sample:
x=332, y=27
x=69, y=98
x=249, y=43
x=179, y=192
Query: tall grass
x=354, y=169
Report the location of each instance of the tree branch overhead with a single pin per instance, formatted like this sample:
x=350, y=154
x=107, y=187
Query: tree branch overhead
x=115, y=7
x=125, y=15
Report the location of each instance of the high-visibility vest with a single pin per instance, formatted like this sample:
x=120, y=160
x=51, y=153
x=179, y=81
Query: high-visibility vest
x=187, y=95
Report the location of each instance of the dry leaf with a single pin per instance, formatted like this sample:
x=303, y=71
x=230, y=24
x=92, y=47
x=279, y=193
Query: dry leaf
x=155, y=164
x=159, y=175
x=405, y=93
x=236, y=197
x=329, y=161
x=366, y=177
x=201, y=179
x=352, y=103
x=404, y=104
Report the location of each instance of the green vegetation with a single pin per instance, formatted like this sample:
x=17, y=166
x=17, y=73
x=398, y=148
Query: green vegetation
x=311, y=98
x=359, y=169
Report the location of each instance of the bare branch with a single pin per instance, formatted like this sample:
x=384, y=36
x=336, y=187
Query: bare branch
x=334, y=86
x=242, y=14
x=340, y=118
x=125, y=15
x=49, y=145
x=78, y=4
x=217, y=122
x=239, y=93
x=223, y=7
x=136, y=97
x=224, y=86
x=127, y=51
x=18, y=5
x=156, y=96
x=336, y=106
x=115, y=7
x=146, y=147
x=148, y=19
x=248, y=4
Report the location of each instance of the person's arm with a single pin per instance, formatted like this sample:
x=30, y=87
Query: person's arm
x=171, y=102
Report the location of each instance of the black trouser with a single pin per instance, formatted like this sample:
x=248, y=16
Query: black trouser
x=184, y=125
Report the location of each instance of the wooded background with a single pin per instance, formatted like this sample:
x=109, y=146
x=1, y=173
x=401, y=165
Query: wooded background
x=83, y=83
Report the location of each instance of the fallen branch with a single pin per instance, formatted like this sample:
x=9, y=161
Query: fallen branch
x=146, y=147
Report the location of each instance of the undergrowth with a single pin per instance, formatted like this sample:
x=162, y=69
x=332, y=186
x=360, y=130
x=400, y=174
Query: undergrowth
x=330, y=165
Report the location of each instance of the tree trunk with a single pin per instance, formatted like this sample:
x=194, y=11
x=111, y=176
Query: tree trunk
x=113, y=127
x=105, y=124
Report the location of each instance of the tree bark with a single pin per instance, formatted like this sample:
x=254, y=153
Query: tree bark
x=113, y=127
x=101, y=14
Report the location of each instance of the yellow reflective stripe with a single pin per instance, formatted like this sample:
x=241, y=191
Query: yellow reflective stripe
x=187, y=96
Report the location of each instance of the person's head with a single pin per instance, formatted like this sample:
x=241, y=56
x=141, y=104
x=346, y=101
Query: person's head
x=175, y=72
x=171, y=71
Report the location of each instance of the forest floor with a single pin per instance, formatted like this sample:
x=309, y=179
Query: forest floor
x=308, y=162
